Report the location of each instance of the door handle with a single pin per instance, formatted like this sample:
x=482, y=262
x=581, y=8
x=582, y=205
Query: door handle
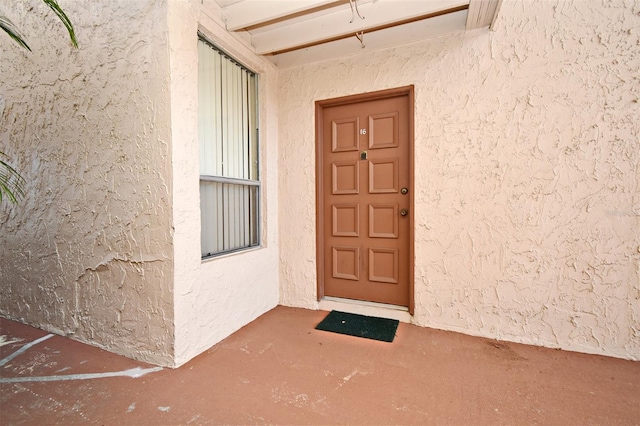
x=404, y=212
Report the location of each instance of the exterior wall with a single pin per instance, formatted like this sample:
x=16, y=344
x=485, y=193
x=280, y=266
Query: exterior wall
x=527, y=174
x=88, y=252
x=216, y=297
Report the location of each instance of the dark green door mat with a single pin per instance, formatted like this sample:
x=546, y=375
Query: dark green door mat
x=359, y=325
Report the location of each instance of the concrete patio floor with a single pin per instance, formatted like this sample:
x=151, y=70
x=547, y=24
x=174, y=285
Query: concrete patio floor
x=280, y=370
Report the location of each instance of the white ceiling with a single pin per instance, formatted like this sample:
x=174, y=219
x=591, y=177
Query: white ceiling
x=292, y=32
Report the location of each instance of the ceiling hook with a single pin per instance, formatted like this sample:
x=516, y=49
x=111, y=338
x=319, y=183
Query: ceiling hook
x=353, y=13
x=360, y=37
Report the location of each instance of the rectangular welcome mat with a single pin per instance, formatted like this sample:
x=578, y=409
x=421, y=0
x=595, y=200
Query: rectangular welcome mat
x=382, y=329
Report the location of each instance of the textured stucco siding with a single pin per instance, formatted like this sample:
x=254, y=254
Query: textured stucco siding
x=88, y=252
x=215, y=297
x=526, y=174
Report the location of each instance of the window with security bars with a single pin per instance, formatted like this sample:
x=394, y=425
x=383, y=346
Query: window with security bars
x=228, y=133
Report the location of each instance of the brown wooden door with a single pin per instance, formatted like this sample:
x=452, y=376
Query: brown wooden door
x=366, y=200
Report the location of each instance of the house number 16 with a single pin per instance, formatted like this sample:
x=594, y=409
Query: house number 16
x=363, y=131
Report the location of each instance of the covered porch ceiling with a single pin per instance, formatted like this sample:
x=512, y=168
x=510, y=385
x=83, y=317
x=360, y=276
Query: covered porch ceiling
x=293, y=32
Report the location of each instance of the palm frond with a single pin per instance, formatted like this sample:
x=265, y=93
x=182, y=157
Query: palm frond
x=64, y=18
x=11, y=183
x=8, y=27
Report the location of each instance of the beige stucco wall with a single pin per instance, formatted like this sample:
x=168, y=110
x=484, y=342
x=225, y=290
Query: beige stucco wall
x=106, y=246
x=88, y=252
x=216, y=297
x=527, y=174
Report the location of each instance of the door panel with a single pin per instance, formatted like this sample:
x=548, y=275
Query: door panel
x=383, y=220
x=383, y=130
x=383, y=176
x=366, y=242
x=344, y=134
x=345, y=177
x=346, y=220
x=346, y=263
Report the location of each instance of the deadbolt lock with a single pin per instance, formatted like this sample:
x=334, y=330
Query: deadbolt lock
x=404, y=212
x=404, y=191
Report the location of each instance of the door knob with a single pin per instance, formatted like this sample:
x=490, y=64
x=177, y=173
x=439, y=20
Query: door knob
x=404, y=191
x=404, y=212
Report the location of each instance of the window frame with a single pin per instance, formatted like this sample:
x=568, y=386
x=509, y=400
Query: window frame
x=252, y=155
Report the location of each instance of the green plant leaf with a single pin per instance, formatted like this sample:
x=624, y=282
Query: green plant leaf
x=11, y=183
x=64, y=18
x=8, y=27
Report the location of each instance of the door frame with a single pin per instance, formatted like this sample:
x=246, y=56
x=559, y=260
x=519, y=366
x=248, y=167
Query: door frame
x=320, y=225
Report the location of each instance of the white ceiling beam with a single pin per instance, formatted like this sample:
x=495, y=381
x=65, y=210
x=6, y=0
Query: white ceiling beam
x=481, y=13
x=248, y=13
x=394, y=36
x=337, y=24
